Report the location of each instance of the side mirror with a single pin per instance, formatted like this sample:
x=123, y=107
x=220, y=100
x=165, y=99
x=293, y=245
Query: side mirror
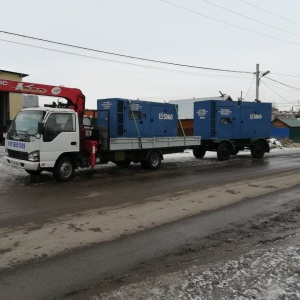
x=40, y=128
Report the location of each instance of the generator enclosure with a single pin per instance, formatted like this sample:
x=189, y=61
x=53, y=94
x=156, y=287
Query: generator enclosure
x=232, y=120
x=137, y=118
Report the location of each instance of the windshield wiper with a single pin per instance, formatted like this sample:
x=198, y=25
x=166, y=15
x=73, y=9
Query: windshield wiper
x=23, y=131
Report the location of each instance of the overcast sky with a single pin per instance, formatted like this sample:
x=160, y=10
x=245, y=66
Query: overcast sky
x=190, y=32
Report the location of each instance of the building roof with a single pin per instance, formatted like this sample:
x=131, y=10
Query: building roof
x=11, y=72
x=186, y=106
x=290, y=122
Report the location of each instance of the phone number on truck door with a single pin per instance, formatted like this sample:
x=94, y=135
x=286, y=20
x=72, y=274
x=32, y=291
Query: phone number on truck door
x=18, y=145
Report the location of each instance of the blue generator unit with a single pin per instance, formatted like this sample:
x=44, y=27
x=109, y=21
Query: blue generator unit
x=232, y=120
x=136, y=118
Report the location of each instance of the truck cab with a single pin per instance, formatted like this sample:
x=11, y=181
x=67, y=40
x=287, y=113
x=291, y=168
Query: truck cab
x=38, y=138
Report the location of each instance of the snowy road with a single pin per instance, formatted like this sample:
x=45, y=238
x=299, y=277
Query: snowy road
x=47, y=229
x=271, y=274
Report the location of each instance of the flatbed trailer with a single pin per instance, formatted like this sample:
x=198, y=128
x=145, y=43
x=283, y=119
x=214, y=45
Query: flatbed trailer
x=119, y=144
x=147, y=151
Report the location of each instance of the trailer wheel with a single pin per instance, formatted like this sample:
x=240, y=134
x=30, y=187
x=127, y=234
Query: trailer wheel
x=64, y=169
x=258, y=149
x=199, y=152
x=36, y=172
x=154, y=160
x=123, y=163
x=223, y=151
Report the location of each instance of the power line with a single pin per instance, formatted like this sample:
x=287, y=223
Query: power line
x=282, y=89
x=223, y=22
x=275, y=92
x=250, y=86
x=290, y=86
x=270, y=12
x=118, y=54
x=285, y=75
x=120, y=62
x=254, y=20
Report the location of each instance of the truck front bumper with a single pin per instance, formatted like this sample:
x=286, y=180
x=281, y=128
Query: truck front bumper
x=22, y=164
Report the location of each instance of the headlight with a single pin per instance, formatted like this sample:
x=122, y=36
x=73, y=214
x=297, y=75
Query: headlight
x=34, y=156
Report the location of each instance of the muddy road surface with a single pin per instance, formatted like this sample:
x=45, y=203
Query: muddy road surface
x=111, y=226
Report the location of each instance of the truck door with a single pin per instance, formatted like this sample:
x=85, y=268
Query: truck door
x=61, y=134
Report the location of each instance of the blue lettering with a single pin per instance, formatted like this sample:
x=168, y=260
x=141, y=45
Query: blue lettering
x=14, y=144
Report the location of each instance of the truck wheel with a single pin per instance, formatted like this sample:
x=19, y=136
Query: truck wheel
x=258, y=149
x=223, y=151
x=36, y=172
x=199, y=152
x=154, y=160
x=64, y=169
x=123, y=163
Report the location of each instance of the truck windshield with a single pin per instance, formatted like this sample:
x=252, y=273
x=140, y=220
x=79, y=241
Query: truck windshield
x=26, y=122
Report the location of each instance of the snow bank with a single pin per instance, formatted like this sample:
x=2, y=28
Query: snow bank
x=271, y=274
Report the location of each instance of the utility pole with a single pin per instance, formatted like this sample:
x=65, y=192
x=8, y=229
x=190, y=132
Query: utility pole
x=257, y=83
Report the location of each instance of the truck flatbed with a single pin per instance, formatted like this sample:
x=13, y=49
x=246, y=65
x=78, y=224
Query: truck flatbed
x=119, y=144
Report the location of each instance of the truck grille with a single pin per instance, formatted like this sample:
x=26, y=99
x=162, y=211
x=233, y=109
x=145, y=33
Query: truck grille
x=18, y=154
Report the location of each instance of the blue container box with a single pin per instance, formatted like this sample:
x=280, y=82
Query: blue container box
x=136, y=118
x=217, y=119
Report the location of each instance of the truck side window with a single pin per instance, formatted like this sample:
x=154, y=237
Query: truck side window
x=57, y=123
x=69, y=125
x=51, y=129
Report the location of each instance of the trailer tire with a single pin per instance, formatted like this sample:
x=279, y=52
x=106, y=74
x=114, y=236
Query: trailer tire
x=35, y=172
x=64, y=169
x=153, y=161
x=199, y=152
x=223, y=151
x=123, y=163
x=258, y=149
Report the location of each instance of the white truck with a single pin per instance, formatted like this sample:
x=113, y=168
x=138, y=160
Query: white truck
x=53, y=138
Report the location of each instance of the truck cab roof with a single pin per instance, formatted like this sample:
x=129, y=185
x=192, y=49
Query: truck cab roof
x=50, y=109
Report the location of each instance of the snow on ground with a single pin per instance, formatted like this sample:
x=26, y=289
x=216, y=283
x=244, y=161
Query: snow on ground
x=186, y=156
x=262, y=274
x=269, y=274
x=276, y=150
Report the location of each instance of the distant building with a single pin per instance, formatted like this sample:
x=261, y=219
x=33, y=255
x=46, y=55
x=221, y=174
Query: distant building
x=186, y=106
x=10, y=103
x=29, y=101
x=286, y=128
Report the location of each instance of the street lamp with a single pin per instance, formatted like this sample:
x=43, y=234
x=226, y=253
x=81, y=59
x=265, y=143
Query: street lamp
x=257, y=81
